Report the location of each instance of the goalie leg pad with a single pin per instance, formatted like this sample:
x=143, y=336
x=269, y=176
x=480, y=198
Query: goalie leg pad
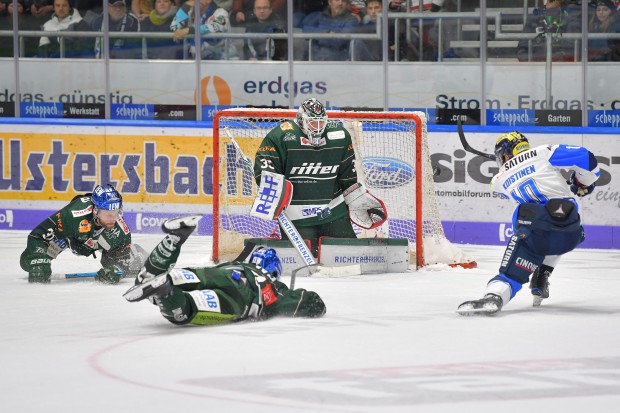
x=374, y=255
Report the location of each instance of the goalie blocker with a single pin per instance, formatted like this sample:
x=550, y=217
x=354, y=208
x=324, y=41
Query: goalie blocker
x=373, y=255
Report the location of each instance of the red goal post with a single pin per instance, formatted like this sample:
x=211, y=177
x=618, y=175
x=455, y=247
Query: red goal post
x=392, y=159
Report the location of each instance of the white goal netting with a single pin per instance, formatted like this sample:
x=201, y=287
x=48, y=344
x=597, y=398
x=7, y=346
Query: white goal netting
x=392, y=159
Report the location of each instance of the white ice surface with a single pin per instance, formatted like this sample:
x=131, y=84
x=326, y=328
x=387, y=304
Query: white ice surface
x=388, y=343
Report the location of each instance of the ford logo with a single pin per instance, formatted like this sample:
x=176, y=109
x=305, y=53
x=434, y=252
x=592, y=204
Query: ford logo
x=386, y=173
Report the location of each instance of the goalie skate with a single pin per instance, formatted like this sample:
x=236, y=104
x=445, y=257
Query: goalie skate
x=160, y=286
x=489, y=305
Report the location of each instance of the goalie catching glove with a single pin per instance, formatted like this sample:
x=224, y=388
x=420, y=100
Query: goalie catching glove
x=365, y=210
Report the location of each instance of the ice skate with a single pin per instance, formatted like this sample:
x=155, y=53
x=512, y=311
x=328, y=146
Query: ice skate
x=539, y=285
x=159, y=286
x=489, y=305
x=182, y=226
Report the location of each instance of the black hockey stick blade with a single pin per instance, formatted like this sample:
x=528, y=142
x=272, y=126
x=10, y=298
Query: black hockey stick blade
x=245, y=253
x=466, y=145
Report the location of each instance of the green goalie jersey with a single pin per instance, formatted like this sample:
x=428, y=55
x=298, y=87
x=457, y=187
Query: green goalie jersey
x=319, y=174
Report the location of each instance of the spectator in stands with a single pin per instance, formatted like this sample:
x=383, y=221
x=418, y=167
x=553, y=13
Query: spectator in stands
x=2, y=9
x=142, y=8
x=65, y=18
x=225, y=4
x=552, y=20
x=264, y=20
x=159, y=21
x=213, y=19
x=302, y=8
x=243, y=10
x=336, y=18
x=24, y=22
x=605, y=20
x=358, y=9
x=121, y=20
x=41, y=9
x=371, y=50
x=89, y=9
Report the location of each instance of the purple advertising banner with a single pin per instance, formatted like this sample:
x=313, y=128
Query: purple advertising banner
x=459, y=232
x=138, y=222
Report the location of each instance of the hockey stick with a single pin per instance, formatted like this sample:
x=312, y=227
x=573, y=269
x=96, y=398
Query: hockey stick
x=246, y=160
x=83, y=274
x=466, y=145
x=245, y=253
x=289, y=229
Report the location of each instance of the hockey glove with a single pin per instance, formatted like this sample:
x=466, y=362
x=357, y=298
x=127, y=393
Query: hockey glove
x=78, y=248
x=108, y=276
x=365, y=210
x=578, y=188
x=273, y=196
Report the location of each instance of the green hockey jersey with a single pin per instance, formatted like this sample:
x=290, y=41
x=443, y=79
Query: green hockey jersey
x=73, y=227
x=319, y=174
x=232, y=292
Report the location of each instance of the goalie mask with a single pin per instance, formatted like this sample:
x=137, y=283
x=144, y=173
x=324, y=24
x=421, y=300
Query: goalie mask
x=267, y=259
x=312, y=119
x=510, y=145
x=108, y=205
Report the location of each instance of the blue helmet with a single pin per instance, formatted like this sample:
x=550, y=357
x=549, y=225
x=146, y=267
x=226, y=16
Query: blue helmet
x=267, y=259
x=107, y=197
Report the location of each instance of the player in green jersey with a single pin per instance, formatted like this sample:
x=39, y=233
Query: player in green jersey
x=226, y=293
x=89, y=223
x=316, y=155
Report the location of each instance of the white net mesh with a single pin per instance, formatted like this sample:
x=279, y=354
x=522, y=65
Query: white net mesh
x=385, y=146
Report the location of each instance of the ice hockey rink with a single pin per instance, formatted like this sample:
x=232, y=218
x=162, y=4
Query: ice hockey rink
x=388, y=343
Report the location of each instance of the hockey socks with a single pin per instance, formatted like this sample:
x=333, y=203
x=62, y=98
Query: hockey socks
x=165, y=254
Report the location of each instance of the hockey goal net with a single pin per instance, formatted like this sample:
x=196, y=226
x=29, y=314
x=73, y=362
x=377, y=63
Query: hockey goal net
x=392, y=159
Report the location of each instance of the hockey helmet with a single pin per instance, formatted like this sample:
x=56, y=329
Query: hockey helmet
x=107, y=198
x=312, y=119
x=509, y=145
x=267, y=259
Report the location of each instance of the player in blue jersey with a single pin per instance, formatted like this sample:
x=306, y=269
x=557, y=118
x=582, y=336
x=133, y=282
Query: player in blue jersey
x=546, y=222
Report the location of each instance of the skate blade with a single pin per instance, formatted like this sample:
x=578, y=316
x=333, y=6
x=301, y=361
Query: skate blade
x=141, y=291
x=537, y=301
x=188, y=221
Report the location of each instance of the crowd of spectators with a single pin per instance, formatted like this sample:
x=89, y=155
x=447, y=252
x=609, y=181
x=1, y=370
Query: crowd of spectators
x=173, y=20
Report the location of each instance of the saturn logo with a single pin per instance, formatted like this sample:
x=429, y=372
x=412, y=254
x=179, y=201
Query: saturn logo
x=217, y=88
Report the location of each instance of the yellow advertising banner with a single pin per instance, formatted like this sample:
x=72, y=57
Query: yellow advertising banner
x=145, y=168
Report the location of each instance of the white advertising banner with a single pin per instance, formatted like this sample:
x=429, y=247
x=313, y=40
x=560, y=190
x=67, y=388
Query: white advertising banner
x=462, y=184
x=238, y=83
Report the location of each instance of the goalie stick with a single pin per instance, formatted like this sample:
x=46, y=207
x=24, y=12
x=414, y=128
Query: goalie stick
x=466, y=145
x=289, y=229
x=313, y=268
